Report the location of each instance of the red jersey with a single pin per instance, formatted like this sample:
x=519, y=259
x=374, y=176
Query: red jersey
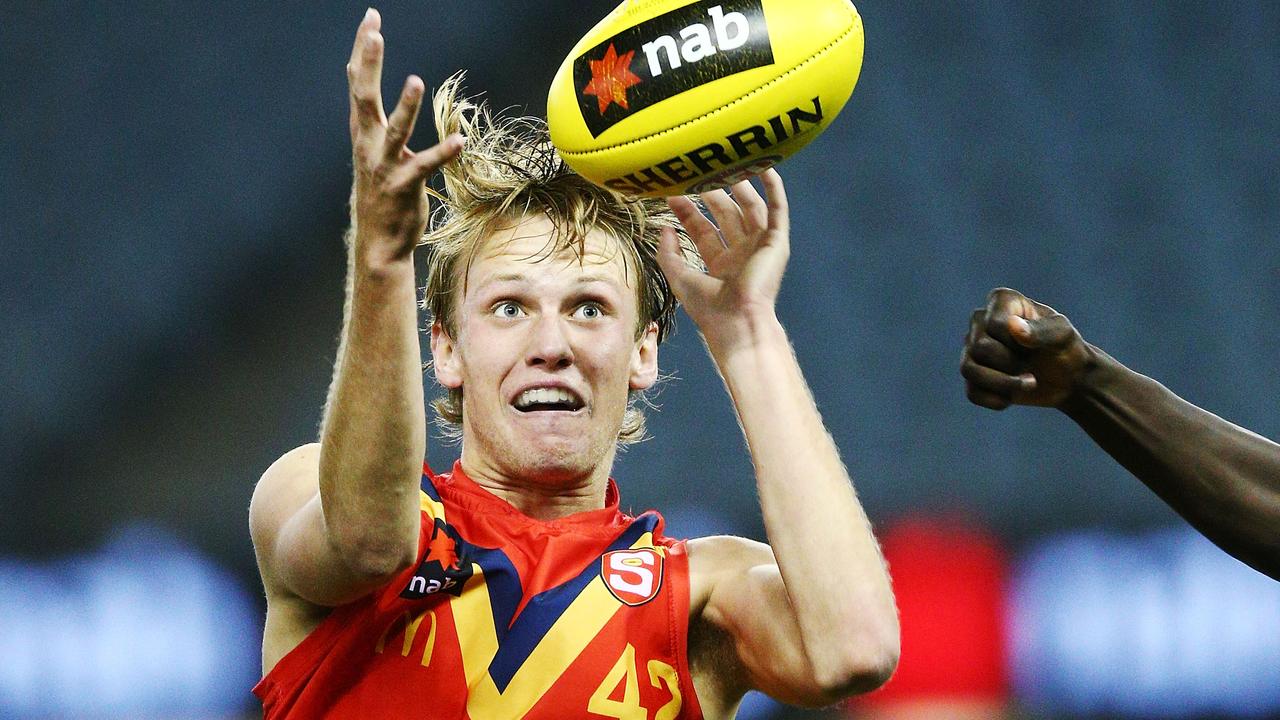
x=504, y=617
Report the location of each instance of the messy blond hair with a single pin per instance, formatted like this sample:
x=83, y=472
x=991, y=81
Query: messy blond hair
x=507, y=171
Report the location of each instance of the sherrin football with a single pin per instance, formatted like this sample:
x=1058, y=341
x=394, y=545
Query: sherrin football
x=668, y=97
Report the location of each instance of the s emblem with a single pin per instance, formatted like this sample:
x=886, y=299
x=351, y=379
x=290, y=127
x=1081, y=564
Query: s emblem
x=632, y=576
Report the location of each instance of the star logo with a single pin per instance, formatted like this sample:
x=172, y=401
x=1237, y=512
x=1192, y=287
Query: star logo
x=610, y=78
x=443, y=549
x=445, y=567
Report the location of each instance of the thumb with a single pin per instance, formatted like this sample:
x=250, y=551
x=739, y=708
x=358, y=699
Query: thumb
x=1044, y=332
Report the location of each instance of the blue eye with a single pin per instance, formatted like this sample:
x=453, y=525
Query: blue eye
x=507, y=309
x=590, y=311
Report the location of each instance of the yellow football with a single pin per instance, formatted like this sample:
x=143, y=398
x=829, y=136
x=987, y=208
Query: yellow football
x=667, y=97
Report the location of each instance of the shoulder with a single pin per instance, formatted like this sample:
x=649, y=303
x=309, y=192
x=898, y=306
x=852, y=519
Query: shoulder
x=302, y=460
x=291, y=479
x=716, y=557
x=291, y=482
x=722, y=548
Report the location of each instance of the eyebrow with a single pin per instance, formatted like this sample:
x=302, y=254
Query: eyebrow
x=597, y=278
x=521, y=277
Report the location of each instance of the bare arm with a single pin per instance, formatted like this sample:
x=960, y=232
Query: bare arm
x=335, y=527
x=1222, y=478
x=821, y=623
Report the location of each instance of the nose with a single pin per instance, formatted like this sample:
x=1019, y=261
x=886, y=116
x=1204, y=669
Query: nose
x=549, y=345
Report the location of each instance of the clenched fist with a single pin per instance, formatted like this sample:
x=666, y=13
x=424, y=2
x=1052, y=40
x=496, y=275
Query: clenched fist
x=1021, y=352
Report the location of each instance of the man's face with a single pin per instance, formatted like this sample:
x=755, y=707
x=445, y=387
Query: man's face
x=546, y=352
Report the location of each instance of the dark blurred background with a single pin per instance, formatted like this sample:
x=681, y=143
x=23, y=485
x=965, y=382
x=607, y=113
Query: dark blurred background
x=173, y=186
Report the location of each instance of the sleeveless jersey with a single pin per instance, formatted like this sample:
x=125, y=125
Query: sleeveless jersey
x=505, y=617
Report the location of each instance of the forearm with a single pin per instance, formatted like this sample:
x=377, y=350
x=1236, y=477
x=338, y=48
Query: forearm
x=829, y=559
x=373, y=437
x=1223, y=479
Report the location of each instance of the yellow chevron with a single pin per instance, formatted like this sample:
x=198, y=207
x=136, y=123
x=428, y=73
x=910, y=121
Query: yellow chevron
x=473, y=619
x=433, y=509
x=567, y=638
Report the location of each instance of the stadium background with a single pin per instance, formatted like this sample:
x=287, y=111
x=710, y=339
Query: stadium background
x=173, y=188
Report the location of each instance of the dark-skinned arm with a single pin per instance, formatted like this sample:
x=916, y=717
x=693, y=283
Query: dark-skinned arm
x=1222, y=478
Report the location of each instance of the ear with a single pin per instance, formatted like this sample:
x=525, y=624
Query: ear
x=444, y=358
x=644, y=359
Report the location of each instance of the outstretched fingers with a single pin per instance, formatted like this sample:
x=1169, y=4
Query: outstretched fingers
x=403, y=118
x=422, y=164
x=685, y=279
x=727, y=214
x=364, y=75
x=748, y=216
x=755, y=214
x=372, y=21
x=778, y=212
x=705, y=235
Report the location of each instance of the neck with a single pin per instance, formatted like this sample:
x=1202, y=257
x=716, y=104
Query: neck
x=542, y=495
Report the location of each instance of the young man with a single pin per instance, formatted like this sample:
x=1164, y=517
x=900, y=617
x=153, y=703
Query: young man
x=1222, y=478
x=512, y=586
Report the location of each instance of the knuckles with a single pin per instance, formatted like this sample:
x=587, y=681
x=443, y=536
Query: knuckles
x=989, y=351
x=366, y=103
x=985, y=399
x=981, y=377
x=997, y=323
x=366, y=158
x=1002, y=296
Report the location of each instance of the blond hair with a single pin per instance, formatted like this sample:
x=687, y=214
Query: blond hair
x=508, y=170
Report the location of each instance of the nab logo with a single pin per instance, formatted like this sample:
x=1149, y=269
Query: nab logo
x=677, y=51
x=632, y=576
x=442, y=568
x=696, y=43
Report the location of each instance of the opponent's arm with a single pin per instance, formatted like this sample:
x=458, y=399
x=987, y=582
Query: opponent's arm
x=819, y=623
x=333, y=524
x=1223, y=479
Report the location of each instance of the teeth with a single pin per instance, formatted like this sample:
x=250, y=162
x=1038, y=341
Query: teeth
x=545, y=396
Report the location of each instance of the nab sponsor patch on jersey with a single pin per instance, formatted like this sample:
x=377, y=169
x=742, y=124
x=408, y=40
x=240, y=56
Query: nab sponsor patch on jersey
x=445, y=566
x=633, y=576
x=667, y=55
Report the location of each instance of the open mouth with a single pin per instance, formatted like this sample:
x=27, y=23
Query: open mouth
x=547, y=400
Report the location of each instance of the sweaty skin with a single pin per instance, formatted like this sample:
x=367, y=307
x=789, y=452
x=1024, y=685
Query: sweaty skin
x=1223, y=479
x=808, y=618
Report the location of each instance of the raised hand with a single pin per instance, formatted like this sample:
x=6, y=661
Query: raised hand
x=1021, y=352
x=390, y=200
x=745, y=250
